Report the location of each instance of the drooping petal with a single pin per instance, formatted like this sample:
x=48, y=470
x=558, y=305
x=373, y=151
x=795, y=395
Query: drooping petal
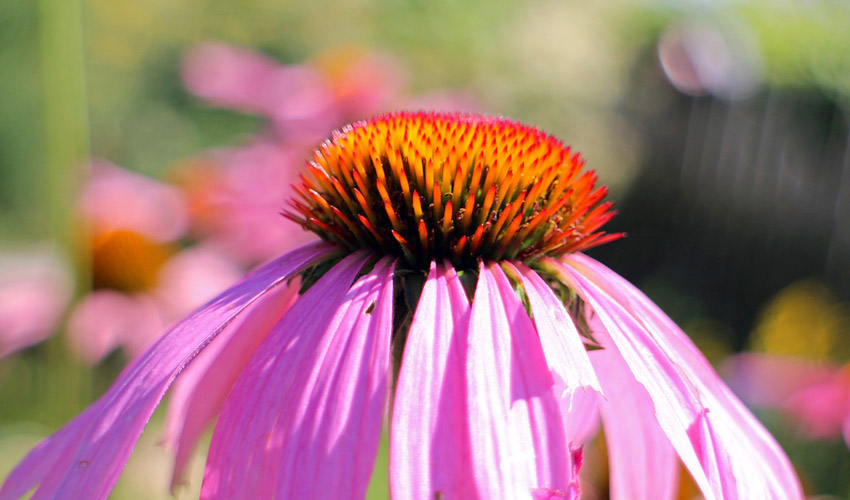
x=518, y=442
x=429, y=444
x=726, y=415
x=51, y=454
x=724, y=447
x=643, y=465
x=676, y=406
x=716, y=458
x=303, y=419
x=199, y=393
x=580, y=411
x=559, y=337
x=84, y=458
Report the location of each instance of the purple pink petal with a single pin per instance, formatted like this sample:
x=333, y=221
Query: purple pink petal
x=85, y=458
x=327, y=361
x=643, y=465
x=729, y=454
x=198, y=395
x=518, y=441
x=429, y=444
x=559, y=337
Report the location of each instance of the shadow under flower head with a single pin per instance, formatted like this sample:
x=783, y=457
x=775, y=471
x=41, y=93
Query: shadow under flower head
x=483, y=314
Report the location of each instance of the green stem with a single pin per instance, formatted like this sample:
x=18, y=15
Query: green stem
x=66, y=152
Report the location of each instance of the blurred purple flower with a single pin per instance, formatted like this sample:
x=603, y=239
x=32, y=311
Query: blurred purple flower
x=34, y=292
x=815, y=396
x=235, y=195
x=141, y=282
x=303, y=102
x=363, y=82
x=115, y=198
x=297, y=99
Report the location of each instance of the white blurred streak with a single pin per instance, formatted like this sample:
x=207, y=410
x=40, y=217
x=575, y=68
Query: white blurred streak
x=700, y=59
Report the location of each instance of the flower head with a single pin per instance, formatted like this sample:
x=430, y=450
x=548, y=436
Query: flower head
x=445, y=186
x=452, y=248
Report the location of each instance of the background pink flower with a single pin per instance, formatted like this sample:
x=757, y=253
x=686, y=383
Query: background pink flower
x=302, y=102
x=106, y=319
x=296, y=99
x=34, y=291
x=235, y=193
x=141, y=281
x=235, y=196
x=815, y=396
x=116, y=198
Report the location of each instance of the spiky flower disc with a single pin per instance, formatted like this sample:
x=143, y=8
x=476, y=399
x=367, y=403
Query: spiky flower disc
x=451, y=186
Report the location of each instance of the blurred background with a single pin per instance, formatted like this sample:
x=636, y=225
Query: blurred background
x=147, y=147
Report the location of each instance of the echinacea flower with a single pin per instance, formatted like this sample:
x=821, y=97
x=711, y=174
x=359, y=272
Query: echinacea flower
x=450, y=265
x=141, y=281
x=35, y=288
x=234, y=197
x=297, y=99
x=797, y=364
x=815, y=396
x=302, y=102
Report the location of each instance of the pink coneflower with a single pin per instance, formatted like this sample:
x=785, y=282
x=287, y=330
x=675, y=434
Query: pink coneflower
x=141, y=281
x=297, y=99
x=815, y=396
x=795, y=366
x=451, y=267
x=235, y=194
x=302, y=102
x=35, y=288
